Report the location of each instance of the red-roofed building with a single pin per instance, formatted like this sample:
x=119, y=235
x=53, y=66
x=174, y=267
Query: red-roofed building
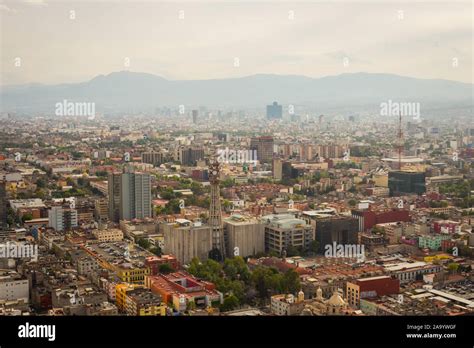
x=369, y=218
x=154, y=263
x=181, y=288
x=371, y=287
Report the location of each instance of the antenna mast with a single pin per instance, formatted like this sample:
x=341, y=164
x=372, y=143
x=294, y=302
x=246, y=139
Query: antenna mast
x=400, y=141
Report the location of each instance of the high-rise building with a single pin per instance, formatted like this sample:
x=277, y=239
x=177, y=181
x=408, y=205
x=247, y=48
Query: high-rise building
x=187, y=240
x=339, y=229
x=129, y=196
x=264, y=147
x=244, y=236
x=190, y=155
x=283, y=231
x=277, y=169
x=403, y=182
x=62, y=219
x=274, y=111
x=195, y=116
x=3, y=205
x=135, y=196
x=330, y=151
x=114, y=196
x=153, y=157
x=101, y=209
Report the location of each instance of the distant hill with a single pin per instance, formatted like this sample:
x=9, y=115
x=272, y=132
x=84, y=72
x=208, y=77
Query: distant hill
x=126, y=91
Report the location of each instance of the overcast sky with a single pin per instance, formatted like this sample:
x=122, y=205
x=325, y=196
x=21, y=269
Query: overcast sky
x=218, y=39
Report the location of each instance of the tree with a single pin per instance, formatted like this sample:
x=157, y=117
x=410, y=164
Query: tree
x=292, y=251
x=166, y=268
x=291, y=282
x=230, y=302
x=314, y=246
x=144, y=243
x=156, y=250
x=26, y=217
x=453, y=267
x=40, y=183
x=265, y=280
x=236, y=268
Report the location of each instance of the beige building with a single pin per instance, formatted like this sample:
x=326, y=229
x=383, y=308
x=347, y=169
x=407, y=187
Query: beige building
x=245, y=236
x=284, y=230
x=335, y=305
x=13, y=286
x=187, y=240
x=101, y=209
x=287, y=304
x=380, y=180
x=108, y=235
x=87, y=265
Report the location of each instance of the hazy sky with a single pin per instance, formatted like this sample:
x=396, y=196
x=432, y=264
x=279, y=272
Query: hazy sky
x=218, y=39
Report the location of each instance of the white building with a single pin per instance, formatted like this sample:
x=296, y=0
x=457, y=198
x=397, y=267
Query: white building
x=13, y=287
x=62, y=219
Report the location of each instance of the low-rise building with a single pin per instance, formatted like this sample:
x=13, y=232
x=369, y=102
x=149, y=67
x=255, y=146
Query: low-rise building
x=286, y=304
x=143, y=302
x=13, y=286
x=181, y=289
x=108, y=235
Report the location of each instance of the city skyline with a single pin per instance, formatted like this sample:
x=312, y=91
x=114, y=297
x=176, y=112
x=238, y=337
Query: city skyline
x=210, y=161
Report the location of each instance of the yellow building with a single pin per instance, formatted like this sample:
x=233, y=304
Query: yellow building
x=380, y=180
x=108, y=235
x=132, y=275
x=438, y=257
x=121, y=258
x=121, y=294
x=143, y=302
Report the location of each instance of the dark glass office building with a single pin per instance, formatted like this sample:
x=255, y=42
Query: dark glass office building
x=340, y=229
x=400, y=182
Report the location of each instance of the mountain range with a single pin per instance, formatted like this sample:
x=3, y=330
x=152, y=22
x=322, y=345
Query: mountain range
x=134, y=91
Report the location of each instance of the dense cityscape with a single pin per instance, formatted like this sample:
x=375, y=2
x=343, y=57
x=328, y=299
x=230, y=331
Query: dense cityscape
x=220, y=172
x=201, y=212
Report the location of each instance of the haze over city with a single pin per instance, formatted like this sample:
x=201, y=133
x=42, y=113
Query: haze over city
x=210, y=162
x=208, y=40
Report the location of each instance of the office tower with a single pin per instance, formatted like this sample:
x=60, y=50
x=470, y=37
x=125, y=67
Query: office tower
x=402, y=182
x=245, y=236
x=135, y=195
x=274, y=111
x=187, y=240
x=264, y=147
x=153, y=157
x=277, y=169
x=283, y=231
x=339, y=229
x=190, y=155
x=215, y=214
x=101, y=209
x=114, y=196
x=330, y=151
x=62, y=219
x=3, y=205
x=195, y=116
